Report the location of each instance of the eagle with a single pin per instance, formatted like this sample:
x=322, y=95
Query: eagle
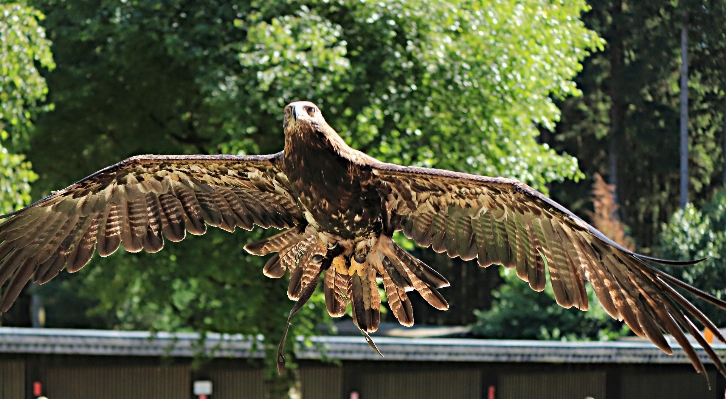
x=338, y=209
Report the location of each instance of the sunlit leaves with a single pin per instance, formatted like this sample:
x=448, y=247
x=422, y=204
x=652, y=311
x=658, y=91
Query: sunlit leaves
x=699, y=234
x=518, y=312
x=293, y=49
x=15, y=178
x=466, y=90
x=22, y=44
x=457, y=85
x=23, y=47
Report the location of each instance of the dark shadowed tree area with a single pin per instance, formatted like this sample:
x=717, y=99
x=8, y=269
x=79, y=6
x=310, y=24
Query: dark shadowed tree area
x=625, y=126
x=424, y=83
x=518, y=89
x=700, y=233
x=24, y=51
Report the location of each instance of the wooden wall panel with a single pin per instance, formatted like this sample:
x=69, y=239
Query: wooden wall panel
x=122, y=382
x=237, y=384
x=12, y=379
x=552, y=385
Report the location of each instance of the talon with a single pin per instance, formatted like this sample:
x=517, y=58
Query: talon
x=317, y=259
x=360, y=257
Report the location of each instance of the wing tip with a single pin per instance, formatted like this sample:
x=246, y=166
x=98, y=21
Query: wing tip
x=668, y=262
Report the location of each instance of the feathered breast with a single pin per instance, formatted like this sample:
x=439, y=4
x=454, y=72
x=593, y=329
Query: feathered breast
x=337, y=193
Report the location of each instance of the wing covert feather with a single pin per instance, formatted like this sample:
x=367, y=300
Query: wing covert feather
x=516, y=226
x=139, y=202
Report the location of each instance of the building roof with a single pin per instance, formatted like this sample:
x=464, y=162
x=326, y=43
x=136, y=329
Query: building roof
x=137, y=343
x=123, y=343
x=346, y=327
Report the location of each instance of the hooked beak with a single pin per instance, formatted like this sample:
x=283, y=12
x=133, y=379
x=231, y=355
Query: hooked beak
x=300, y=112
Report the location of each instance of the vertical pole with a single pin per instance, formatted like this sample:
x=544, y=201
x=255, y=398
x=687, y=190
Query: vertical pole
x=684, y=112
x=35, y=309
x=724, y=140
x=617, y=98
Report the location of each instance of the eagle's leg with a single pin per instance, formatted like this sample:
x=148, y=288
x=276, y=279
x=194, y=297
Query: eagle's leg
x=363, y=290
x=304, y=298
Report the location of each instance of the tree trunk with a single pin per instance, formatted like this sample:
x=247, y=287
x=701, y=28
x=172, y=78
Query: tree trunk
x=724, y=140
x=618, y=106
x=684, y=111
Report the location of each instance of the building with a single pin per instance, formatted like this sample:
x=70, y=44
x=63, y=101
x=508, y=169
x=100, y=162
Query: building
x=90, y=364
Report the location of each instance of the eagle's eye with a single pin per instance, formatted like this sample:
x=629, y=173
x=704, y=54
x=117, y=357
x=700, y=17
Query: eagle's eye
x=310, y=111
x=287, y=111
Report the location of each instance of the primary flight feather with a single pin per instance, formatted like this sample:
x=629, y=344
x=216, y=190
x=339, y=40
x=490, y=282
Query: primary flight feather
x=339, y=208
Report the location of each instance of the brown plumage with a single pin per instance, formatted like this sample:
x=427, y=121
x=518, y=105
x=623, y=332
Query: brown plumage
x=339, y=209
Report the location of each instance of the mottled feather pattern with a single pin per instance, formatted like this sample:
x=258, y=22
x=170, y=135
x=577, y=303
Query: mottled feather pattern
x=137, y=203
x=347, y=280
x=340, y=208
x=337, y=285
x=516, y=226
x=280, y=243
x=276, y=242
x=365, y=299
x=411, y=273
x=398, y=301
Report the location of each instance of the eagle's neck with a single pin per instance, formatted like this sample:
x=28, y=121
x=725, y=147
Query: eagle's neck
x=330, y=183
x=316, y=136
x=315, y=158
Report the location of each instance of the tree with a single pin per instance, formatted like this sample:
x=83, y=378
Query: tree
x=518, y=312
x=22, y=90
x=647, y=108
x=699, y=234
x=430, y=83
x=604, y=216
x=23, y=49
x=684, y=111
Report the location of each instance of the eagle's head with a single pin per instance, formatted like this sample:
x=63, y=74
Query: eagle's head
x=304, y=123
x=300, y=114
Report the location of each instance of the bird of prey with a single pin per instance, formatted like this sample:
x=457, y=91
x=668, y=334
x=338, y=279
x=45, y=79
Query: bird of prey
x=339, y=209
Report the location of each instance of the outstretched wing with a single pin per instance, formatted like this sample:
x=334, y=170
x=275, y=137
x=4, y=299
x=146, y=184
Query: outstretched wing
x=138, y=202
x=503, y=221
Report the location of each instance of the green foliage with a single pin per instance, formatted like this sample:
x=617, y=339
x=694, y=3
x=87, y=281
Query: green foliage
x=518, y=312
x=485, y=69
x=23, y=47
x=15, y=178
x=698, y=234
x=647, y=85
x=21, y=85
x=459, y=85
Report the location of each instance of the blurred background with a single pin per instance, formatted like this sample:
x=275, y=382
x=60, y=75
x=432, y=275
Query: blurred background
x=588, y=102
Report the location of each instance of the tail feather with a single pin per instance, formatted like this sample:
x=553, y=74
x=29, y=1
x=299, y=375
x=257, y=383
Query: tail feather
x=365, y=298
x=398, y=301
x=336, y=289
x=424, y=279
x=298, y=260
x=273, y=268
x=276, y=242
x=423, y=271
x=668, y=262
